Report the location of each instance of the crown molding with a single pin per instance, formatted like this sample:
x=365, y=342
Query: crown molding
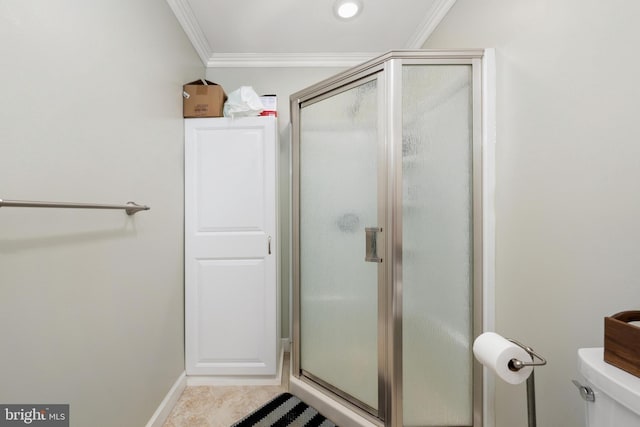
x=183, y=12
x=210, y=59
x=268, y=60
x=434, y=17
x=187, y=19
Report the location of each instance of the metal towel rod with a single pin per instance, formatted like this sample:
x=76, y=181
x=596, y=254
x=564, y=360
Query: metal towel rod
x=130, y=208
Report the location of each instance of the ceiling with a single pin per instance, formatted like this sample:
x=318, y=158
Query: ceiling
x=244, y=33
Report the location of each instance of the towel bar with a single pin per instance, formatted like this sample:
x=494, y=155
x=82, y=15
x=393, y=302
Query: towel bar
x=130, y=208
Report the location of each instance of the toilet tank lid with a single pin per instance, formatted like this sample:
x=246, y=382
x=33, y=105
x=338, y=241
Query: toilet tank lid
x=618, y=384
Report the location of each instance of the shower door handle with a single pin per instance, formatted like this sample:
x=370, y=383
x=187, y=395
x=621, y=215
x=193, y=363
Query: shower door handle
x=371, y=244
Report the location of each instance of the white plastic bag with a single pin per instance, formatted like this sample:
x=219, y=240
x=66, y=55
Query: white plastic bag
x=243, y=102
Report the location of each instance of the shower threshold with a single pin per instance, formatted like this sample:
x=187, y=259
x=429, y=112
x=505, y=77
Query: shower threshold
x=340, y=414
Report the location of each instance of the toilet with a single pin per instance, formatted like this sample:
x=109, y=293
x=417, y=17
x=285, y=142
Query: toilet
x=612, y=396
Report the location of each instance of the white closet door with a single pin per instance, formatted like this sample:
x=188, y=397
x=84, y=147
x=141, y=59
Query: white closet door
x=230, y=246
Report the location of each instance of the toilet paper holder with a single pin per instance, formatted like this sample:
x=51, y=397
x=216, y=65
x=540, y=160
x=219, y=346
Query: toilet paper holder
x=516, y=365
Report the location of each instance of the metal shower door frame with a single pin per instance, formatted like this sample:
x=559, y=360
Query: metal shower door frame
x=388, y=68
x=310, y=97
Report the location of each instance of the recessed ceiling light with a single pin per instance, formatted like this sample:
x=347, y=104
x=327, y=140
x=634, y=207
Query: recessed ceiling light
x=347, y=9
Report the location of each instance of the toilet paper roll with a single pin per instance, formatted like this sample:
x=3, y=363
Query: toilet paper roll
x=495, y=352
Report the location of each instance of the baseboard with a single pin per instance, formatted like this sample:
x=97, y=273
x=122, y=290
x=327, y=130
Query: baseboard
x=225, y=380
x=162, y=413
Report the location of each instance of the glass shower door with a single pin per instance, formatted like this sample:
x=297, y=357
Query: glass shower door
x=339, y=142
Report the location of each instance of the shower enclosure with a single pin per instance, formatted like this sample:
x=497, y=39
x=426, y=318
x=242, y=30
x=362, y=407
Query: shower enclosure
x=388, y=239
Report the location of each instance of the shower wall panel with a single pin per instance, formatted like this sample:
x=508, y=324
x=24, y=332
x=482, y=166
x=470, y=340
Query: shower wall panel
x=437, y=243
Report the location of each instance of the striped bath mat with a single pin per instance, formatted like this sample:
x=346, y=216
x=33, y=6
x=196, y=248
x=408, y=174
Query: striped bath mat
x=285, y=410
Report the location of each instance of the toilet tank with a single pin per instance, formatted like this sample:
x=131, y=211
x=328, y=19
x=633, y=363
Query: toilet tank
x=617, y=393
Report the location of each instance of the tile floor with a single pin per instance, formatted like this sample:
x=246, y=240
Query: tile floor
x=221, y=406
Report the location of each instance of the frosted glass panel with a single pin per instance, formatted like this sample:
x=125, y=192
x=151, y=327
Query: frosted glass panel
x=437, y=245
x=338, y=199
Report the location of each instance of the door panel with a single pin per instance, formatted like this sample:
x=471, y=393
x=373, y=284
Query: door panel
x=338, y=200
x=230, y=247
x=239, y=184
x=241, y=284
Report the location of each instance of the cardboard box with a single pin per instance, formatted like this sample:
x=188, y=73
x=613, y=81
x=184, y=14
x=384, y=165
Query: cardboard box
x=202, y=98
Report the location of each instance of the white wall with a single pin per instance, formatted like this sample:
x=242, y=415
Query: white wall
x=568, y=168
x=91, y=302
x=282, y=82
